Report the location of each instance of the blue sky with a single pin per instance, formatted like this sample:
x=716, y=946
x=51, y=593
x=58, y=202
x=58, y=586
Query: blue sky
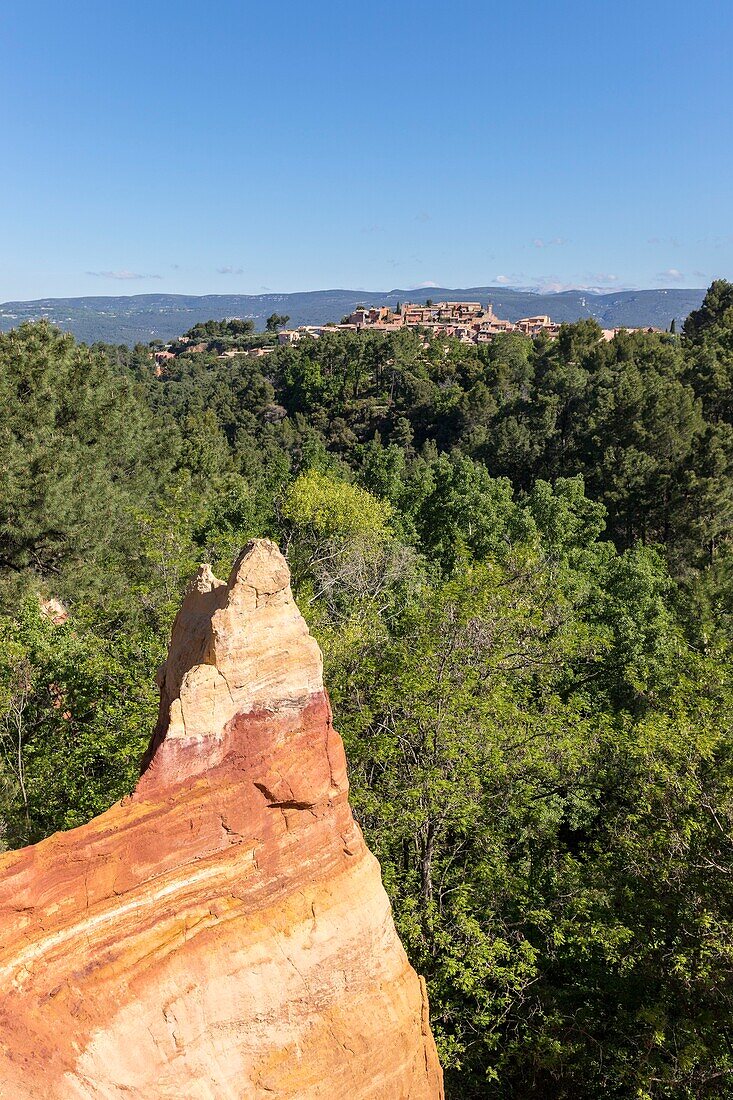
x=236, y=147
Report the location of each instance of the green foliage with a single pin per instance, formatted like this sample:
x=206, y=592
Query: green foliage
x=708, y=333
x=216, y=330
x=276, y=321
x=550, y=854
x=79, y=452
x=324, y=507
x=714, y=318
x=335, y=531
x=75, y=714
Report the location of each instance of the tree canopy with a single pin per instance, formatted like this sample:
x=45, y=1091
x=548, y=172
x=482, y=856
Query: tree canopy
x=517, y=560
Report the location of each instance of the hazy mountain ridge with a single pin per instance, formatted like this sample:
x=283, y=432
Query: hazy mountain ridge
x=129, y=319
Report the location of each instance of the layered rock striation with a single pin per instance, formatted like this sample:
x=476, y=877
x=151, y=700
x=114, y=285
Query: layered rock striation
x=222, y=933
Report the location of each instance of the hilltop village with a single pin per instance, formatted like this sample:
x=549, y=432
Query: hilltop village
x=467, y=322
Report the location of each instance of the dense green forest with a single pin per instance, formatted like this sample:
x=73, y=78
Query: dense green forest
x=517, y=559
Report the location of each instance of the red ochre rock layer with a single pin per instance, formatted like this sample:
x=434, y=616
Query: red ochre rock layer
x=223, y=932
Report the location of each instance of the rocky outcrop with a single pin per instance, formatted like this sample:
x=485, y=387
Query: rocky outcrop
x=222, y=933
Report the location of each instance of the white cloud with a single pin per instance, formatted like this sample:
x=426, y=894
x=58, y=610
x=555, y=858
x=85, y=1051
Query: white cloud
x=603, y=278
x=593, y=283
x=502, y=280
x=540, y=242
x=554, y=286
x=121, y=275
x=424, y=286
x=230, y=270
x=671, y=275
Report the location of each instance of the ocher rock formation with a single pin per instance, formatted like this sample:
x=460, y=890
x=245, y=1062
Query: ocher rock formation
x=222, y=933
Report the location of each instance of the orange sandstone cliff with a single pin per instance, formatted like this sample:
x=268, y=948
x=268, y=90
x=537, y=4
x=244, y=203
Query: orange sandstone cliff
x=222, y=933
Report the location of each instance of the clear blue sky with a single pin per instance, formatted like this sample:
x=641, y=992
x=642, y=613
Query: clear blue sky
x=235, y=146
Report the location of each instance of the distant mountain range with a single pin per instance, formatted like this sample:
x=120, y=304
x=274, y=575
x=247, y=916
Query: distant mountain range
x=144, y=317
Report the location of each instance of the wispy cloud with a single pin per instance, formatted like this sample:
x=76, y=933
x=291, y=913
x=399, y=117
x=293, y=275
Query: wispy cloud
x=228, y=270
x=717, y=241
x=540, y=242
x=502, y=280
x=671, y=275
x=122, y=275
x=424, y=286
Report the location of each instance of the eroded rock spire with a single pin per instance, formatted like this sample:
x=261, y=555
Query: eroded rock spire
x=222, y=933
x=237, y=647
